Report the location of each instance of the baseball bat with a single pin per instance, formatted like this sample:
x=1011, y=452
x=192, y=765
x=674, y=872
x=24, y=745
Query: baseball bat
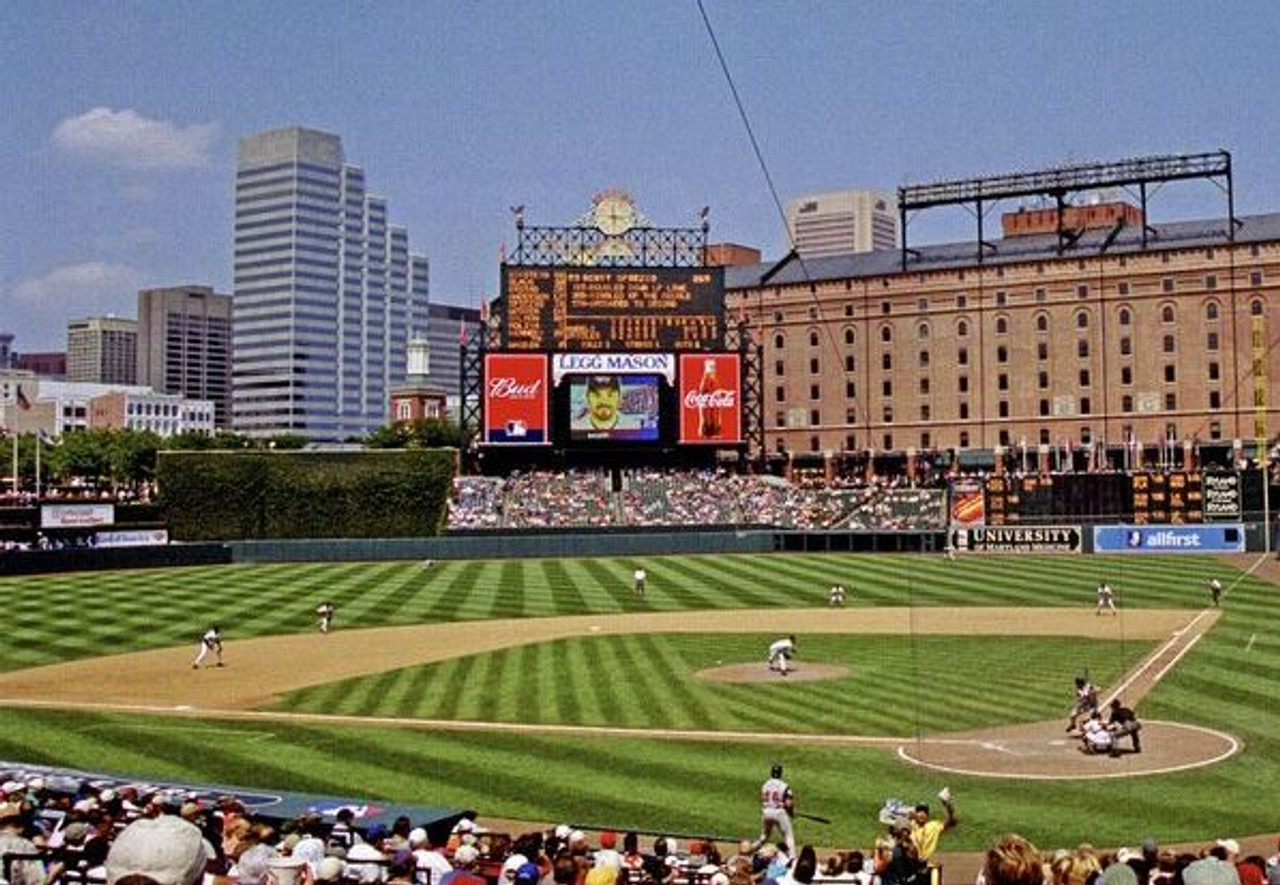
x=813, y=817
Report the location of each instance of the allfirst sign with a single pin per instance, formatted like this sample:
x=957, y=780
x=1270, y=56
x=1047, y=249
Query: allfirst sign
x=1222, y=538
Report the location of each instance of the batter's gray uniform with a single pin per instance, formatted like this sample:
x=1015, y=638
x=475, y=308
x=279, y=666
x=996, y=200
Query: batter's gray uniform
x=776, y=800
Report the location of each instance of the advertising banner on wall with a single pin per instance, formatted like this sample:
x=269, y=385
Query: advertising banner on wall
x=1221, y=496
x=968, y=502
x=133, y=538
x=76, y=516
x=1225, y=538
x=515, y=399
x=710, y=399
x=1019, y=539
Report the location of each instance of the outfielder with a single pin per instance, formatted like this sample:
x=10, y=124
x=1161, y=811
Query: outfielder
x=780, y=654
x=1106, y=598
x=777, y=804
x=1215, y=590
x=325, y=611
x=210, y=642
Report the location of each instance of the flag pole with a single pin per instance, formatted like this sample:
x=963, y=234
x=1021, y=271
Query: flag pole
x=15, y=464
x=38, y=447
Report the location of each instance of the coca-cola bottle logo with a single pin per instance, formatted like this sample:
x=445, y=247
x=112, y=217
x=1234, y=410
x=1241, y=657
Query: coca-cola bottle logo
x=722, y=398
x=505, y=387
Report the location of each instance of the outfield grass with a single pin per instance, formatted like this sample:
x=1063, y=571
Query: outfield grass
x=1228, y=681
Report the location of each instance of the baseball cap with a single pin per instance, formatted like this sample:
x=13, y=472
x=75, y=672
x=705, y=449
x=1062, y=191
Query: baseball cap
x=466, y=854
x=253, y=864
x=1210, y=871
x=329, y=869
x=1119, y=874
x=608, y=839
x=1231, y=845
x=562, y=832
x=166, y=849
x=528, y=873
x=417, y=837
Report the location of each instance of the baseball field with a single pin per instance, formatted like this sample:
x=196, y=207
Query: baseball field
x=545, y=690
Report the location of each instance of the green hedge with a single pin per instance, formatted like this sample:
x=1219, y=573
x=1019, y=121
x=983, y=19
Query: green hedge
x=222, y=496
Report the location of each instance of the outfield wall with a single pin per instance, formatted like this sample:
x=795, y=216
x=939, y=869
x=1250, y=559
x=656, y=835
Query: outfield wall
x=507, y=546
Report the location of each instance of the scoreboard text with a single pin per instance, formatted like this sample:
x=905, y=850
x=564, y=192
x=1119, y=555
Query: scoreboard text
x=613, y=309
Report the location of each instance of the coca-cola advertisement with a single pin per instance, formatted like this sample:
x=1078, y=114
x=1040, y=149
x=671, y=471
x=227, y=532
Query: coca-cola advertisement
x=515, y=399
x=710, y=399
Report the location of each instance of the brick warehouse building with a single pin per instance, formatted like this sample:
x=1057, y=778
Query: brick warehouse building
x=1090, y=346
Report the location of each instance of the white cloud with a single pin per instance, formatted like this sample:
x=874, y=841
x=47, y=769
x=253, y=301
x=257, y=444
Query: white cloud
x=85, y=286
x=129, y=140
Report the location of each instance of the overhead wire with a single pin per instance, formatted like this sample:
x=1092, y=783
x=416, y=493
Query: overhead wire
x=769, y=182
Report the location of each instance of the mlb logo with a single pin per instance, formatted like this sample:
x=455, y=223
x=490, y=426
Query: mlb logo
x=517, y=429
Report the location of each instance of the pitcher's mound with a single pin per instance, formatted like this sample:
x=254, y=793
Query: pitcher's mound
x=760, y=672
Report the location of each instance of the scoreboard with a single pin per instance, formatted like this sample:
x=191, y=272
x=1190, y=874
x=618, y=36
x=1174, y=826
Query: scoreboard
x=1011, y=500
x=1176, y=497
x=612, y=308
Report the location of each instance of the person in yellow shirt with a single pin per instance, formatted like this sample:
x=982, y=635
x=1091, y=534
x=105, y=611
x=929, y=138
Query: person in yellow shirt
x=926, y=833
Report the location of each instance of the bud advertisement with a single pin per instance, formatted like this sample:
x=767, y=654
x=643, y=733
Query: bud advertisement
x=515, y=399
x=710, y=399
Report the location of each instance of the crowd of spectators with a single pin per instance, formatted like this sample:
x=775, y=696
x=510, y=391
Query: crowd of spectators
x=127, y=836
x=649, y=497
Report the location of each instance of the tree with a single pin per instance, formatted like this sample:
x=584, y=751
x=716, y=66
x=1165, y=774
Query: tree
x=425, y=433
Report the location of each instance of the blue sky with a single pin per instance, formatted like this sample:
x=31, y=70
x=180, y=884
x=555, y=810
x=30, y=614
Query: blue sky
x=119, y=121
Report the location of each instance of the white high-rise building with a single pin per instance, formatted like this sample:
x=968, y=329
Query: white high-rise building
x=326, y=296
x=842, y=222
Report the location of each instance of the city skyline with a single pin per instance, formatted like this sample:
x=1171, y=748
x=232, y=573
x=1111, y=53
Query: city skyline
x=122, y=128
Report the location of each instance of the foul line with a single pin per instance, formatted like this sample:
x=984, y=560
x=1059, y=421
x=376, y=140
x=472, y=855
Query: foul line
x=1155, y=656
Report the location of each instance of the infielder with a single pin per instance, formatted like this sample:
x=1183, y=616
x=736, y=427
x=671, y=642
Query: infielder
x=780, y=654
x=777, y=804
x=1106, y=599
x=836, y=596
x=210, y=642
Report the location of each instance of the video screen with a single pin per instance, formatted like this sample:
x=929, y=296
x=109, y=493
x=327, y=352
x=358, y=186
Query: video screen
x=613, y=407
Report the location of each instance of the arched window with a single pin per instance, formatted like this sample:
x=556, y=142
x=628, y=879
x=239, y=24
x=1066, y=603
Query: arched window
x=1082, y=319
x=1211, y=310
x=1169, y=344
x=1042, y=322
x=813, y=337
x=848, y=336
x=922, y=331
x=962, y=329
x=1256, y=307
x=1166, y=313
x=1125, y=316
x=886, y=334
x=1002, y=326
x=779, y=341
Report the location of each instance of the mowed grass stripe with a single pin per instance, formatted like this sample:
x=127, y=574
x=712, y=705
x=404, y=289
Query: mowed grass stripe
x=566, y=596
x=686, y=706
x=633, y=669
x=735, y=582
x=449, y=589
